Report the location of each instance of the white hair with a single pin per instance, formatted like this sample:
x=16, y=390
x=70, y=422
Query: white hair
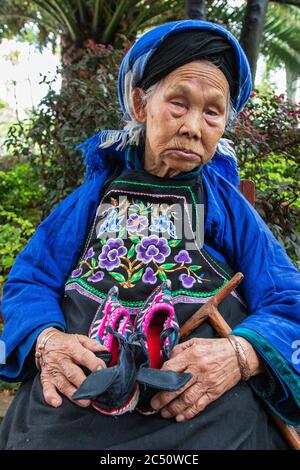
x=137, y=130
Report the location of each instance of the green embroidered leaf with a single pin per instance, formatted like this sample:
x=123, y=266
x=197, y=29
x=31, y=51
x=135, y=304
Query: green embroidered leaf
x=137, y=276
x=122, y=232
x=131, y=252
x=93, y=262
x=168, y=265
x=134, y=240
x=119, y=277
x=194, y=267
x=88, y=273
x=103, y=241
x=174, y=243
x=162, y=276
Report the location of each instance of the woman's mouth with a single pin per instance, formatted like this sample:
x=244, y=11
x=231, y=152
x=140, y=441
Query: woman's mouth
x=186, y=154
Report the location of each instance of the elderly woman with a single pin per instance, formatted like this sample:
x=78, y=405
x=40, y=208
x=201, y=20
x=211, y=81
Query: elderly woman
x=179, y=86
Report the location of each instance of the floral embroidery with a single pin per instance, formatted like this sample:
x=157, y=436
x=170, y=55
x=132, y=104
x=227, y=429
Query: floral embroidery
x=76, y=272
x=149, y=277
x=144, y=258
x=162, y=224
x=183, y=257
x=111, y=254
x=98, y=276
x=152, y=249
x=90, y=253
x=137, y=223
x=187, y=281
x=111, y=224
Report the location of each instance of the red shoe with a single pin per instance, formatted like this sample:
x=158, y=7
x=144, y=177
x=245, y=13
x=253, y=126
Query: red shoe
x=113, y=390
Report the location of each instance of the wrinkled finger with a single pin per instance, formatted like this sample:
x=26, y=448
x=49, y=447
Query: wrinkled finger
x=179, y=348
x=192, y=411
x=162, y=399
x=181, y=358
x=86, y=358
x=50, y=393
x=72, y=372
x=178, y=363
x=91, y=344
x=67, y=389
x=188, y=399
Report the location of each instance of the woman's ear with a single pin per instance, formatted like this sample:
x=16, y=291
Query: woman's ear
x=138, y=105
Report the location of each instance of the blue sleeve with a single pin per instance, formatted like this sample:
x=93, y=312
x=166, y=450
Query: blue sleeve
x=271, y=284
x=23, y=366
x=32, y=292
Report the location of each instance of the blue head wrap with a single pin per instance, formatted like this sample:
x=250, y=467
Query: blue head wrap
x=119, y=142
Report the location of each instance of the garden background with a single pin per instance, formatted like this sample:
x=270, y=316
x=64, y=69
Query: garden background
x=38, y=162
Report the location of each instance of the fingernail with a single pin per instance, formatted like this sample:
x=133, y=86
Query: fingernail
x=166, y=414
x=180, y=418
x=85, y=404
x=99, y=368
x=55, y=402
x=155, y=404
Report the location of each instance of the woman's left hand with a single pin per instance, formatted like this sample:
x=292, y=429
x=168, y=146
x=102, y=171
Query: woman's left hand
x=214, y=366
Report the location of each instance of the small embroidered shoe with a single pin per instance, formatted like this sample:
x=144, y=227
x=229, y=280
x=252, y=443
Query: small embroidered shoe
x=156, y=331
x=113, y=390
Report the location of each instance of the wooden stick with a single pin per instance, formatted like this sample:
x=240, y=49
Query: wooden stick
x=209, y=309
x=210, y=312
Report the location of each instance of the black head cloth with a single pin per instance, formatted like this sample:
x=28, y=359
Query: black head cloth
x=186, y=46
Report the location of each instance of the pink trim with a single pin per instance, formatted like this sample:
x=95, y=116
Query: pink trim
x=120, y=410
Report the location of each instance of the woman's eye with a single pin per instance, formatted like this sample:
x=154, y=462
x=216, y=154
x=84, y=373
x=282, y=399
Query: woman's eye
x=177, y=103
x=211, y=112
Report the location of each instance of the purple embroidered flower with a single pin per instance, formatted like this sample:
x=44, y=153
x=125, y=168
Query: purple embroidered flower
x=187, y=281
x=96, y=277
x=137, y=223
x=149, y=277
x=152, y=249
x=183, y=257
x=90, y=253
x=77, y=272
x=109, y=258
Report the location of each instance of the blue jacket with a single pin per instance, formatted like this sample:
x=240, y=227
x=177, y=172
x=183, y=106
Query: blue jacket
x=271, y=286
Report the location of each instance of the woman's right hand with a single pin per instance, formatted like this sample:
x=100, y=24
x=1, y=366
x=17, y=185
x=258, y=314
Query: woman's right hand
x=60, y=363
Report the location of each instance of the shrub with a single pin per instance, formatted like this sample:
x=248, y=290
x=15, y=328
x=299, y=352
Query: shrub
x=267, y=140
x=85, y=104
x=21, y=196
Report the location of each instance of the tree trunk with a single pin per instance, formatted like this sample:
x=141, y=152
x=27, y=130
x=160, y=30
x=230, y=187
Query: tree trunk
x=291, y=84
x=195, y=9
x=70, y=51
x=252, y=30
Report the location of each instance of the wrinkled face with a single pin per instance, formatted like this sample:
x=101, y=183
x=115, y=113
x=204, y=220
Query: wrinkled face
x=186, y=112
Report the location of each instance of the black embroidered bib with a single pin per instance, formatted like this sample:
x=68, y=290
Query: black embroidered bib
x=148, y=229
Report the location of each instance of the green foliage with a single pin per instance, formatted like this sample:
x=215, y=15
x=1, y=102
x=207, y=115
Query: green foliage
x=14, y=234
x=75, y=21
x=13, y=387
x=281, y=36
x=63, y=120
x=267, y=139
x=20, y=196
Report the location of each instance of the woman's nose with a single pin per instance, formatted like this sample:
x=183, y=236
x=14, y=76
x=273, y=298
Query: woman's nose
x=192, y=125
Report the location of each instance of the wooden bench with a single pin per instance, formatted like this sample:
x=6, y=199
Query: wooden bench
x=247, y=188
